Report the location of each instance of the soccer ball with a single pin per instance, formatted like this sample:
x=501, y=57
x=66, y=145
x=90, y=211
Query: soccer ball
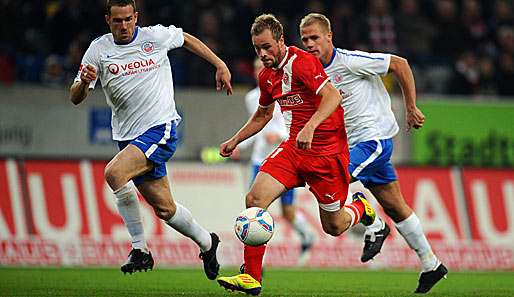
x=254, y=226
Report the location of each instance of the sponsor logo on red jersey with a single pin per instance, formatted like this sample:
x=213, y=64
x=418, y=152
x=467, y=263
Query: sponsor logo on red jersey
x=290, y=100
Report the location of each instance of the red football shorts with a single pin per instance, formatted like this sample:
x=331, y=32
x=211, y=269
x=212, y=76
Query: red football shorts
x=327, y=176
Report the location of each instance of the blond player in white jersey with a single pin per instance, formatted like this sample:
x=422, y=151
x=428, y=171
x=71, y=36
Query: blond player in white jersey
x=370, y=125
x=132, y=65
x=264, y=143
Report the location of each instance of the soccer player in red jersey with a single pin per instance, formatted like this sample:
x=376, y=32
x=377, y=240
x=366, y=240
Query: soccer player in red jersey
x=315, y=153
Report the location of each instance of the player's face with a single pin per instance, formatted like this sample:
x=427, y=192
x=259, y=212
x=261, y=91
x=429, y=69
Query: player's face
x=269, y=50
x=317, y=41
x=122, y=23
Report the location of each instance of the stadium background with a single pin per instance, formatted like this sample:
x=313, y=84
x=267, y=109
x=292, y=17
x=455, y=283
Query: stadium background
x=457, y=172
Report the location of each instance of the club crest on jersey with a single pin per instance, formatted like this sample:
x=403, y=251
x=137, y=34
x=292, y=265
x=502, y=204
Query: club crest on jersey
x=147, y=47
x=285, y=79
x=290, y=100
x=338, y=78
x=113, y=68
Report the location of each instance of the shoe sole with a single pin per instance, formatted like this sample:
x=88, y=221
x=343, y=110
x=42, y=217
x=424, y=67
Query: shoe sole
x=233, y=288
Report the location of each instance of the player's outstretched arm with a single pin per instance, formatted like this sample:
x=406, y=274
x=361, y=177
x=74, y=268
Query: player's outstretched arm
x=255, y=124
x=330, y=100
x=80, y=89
x=401, y=69
x=199, y=48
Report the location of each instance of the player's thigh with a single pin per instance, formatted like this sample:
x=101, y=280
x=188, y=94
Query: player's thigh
x=130, y=162
x=264, y=191
x=157, y=193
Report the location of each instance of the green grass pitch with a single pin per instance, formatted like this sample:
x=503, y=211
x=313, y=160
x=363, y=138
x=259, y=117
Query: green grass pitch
x=111, y=282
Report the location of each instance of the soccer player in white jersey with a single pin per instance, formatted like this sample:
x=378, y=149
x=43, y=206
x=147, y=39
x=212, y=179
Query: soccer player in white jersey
x=264, y=143
x=370, y=125
x=133, y=67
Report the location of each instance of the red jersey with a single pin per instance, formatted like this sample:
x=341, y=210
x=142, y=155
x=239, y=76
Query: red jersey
x=296, y=84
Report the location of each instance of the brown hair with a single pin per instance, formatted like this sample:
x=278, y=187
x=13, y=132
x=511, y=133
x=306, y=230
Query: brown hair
x=318, y=18
x=270, y=22
x=111, y=3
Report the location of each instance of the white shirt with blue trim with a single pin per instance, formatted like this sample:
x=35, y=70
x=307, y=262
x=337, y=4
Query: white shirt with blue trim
x=136, y=78
x=366, y=103
x=261, y=148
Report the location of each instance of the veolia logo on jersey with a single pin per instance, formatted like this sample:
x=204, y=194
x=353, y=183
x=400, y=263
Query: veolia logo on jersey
x=147, y=47
x=114, y=68
x=137, y=65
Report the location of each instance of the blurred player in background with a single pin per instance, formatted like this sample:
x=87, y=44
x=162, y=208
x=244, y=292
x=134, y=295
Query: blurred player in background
x=264, y=143
x=134, y=70
x=370, y=124
x=315, y=153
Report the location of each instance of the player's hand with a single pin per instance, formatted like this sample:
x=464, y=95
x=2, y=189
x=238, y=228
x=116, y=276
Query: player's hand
x=223, y=77
x=236, y=154
x=415, y=118
x=88, y=74
x=304, y=138
x=227, y=148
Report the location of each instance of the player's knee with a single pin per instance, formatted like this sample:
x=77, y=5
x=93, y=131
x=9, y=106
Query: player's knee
x=332, y=229
x=252, y=200
x=164, y=213
x=111, y=175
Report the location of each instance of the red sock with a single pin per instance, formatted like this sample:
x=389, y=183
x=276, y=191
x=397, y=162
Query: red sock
x=355, y=210
x=253, y=260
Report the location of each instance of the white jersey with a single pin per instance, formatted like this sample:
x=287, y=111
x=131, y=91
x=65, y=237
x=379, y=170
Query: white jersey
x=136, y=78
x=366, y=103
x=261, y=148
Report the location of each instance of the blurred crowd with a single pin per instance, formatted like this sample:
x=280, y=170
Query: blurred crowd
x=455, y=47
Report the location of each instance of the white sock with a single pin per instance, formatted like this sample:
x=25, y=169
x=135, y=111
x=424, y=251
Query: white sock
x=377, y=225
x=411, y=230
x=300, y=225
x=128, y=207
x=184, y=223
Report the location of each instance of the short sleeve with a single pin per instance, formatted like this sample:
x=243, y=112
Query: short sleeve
x=91, y=57
x=173, y=37
x=366, y=64
x=310, y=72
x=266, y=99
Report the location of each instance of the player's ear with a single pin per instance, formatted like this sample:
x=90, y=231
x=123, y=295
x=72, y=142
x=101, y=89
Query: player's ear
x=108, y=20
x=135, y=17
x=329, y=35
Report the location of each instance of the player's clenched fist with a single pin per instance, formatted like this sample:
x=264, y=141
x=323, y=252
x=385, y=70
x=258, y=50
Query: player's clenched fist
x=227, y=148
x=88, y=74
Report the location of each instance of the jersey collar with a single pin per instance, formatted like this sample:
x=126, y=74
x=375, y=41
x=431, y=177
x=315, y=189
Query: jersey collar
x=285, y=59
x=133, y=37
x=331, y=59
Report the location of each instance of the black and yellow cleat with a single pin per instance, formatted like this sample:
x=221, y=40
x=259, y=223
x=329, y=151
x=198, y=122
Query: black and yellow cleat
x=368, y=217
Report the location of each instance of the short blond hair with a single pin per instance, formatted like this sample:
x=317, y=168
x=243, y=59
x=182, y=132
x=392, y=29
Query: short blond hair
x=269, y=22
x=316, y=18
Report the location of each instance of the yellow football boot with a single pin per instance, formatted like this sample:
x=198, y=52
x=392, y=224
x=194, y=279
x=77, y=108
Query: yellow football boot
x=242, y=283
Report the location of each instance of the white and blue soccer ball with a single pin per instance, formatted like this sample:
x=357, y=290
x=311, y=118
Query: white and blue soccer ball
x=254, y=226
